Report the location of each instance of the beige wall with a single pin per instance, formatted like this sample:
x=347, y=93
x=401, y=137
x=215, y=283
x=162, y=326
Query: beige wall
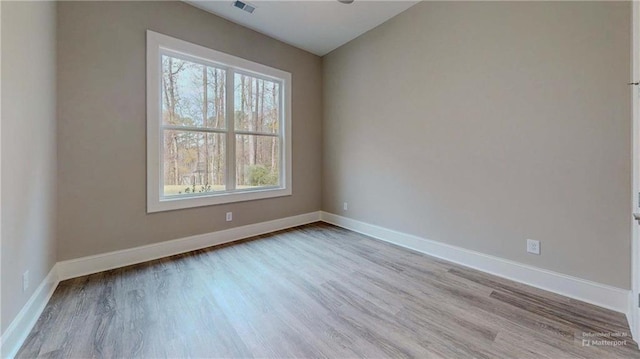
x=483, y=124
x=28, y=149
x=101, y=128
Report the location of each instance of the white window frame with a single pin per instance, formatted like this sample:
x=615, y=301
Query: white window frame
x=159, y=44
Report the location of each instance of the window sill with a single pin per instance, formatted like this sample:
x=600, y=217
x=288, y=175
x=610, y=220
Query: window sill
x=170, y=204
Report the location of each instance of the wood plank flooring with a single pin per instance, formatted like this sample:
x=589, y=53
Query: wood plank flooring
x=315, y=291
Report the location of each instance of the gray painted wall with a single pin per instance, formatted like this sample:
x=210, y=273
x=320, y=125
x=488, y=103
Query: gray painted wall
x=28, y=150
x=101, y=128
x=483, y=124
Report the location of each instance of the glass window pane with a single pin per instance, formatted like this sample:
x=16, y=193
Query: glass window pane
x=257, y=161
x=256, y=104
x=194, y=163
x=192, y=94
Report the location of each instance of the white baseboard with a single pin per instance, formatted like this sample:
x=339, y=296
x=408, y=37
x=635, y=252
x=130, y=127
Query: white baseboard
x=20, y=327
x=105, y=261
x=602, y=295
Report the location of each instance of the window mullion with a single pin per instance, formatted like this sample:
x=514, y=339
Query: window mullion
x=231, y=137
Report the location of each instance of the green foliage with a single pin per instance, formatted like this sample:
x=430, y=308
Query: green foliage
x=260, y=175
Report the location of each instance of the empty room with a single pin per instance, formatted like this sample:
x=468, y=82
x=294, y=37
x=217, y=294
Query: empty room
x=319, y=179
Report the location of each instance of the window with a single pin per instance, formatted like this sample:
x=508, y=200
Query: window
x=218, y=127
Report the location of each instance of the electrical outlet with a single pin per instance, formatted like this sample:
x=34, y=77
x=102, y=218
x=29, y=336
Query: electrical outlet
x=533, y=246
x=25, y=281
x=345, y=206
x=229, y=216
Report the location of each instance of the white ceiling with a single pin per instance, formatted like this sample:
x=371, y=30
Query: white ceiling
x=316, y=26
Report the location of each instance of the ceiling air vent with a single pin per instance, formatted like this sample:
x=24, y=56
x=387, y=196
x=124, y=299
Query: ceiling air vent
x=244, y=6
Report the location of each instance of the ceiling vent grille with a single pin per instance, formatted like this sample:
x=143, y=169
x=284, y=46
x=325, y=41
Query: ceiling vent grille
x=244, y=6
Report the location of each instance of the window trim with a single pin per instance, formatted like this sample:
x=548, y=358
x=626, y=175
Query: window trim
x=157, y=44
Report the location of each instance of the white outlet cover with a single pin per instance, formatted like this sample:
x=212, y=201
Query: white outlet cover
x=25, y=281
x=229, y=216
x=533, y=246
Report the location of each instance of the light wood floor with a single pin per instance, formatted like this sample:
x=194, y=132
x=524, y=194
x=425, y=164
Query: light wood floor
x=314, y=291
